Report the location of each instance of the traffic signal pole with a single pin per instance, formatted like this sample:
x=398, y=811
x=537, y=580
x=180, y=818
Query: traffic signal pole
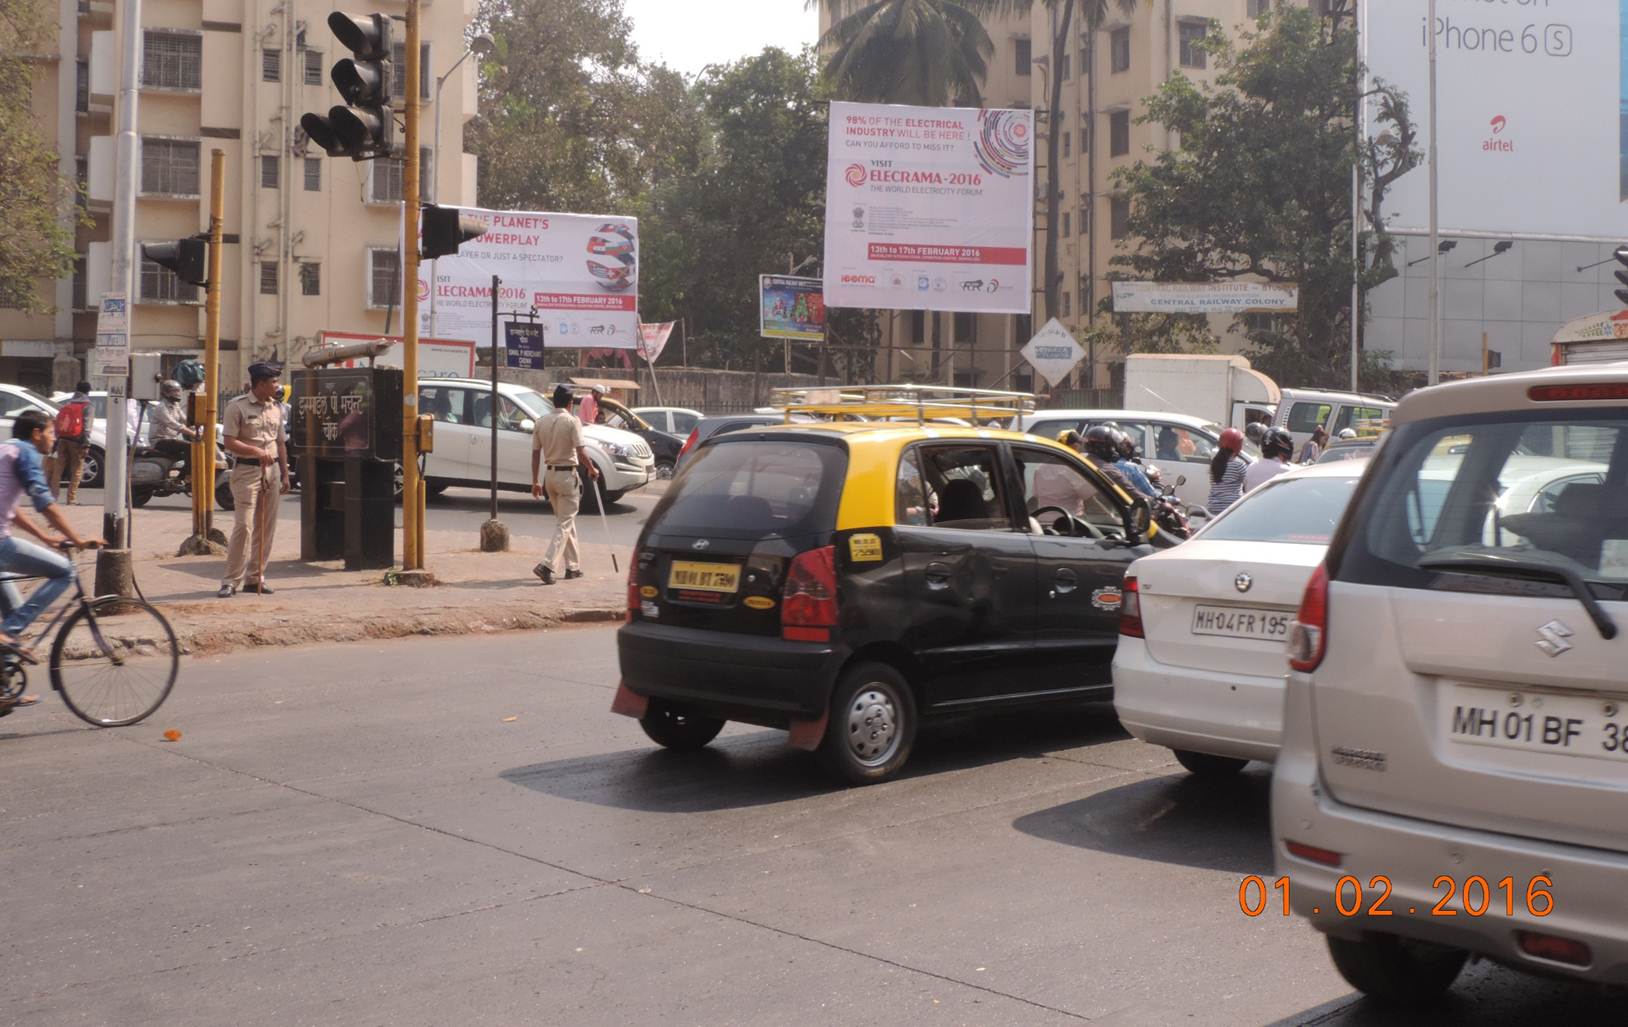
x=412, y=493
x=205, y=489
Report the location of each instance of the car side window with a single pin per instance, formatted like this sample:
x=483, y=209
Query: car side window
x=1051, y=480
x=1303, y=417
x=1545, y=500
x=683, y=424
x=446, y=405
x=964, y=487
x=1173, y=442
x=913, y=506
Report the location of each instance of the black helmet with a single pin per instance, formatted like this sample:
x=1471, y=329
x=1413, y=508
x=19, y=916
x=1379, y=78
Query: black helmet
x=1255, y=432
x=1102, y=442
x=1127, y=445
x=1277, y=441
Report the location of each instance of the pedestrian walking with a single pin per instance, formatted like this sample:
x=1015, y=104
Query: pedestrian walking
x=253, y=427
x=1314, y=446
x=72, y=426
x=556, y=450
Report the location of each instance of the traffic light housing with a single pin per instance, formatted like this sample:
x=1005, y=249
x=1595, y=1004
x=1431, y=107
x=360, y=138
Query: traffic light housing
x=446, y=229
x=1621, y=254
x=188, y=258
x=365, y=128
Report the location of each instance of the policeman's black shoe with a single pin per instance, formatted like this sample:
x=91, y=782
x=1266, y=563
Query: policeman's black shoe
x=543, y=571
x=569, y=574
x=258, y=587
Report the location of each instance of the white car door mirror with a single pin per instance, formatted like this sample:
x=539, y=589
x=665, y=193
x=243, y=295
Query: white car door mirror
x=527, y=424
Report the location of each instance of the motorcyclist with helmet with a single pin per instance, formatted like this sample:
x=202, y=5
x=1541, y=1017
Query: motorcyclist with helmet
x=1227, y=470
x=1125, y=447
x=1102, y=447
x=1276, y=449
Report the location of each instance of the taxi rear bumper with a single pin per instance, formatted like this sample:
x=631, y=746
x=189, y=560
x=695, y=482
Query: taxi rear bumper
x=752, y=678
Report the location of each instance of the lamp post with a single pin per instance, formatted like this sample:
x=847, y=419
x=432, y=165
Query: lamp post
x=481, y=46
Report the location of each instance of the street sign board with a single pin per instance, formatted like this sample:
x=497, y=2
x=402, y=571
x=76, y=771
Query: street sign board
x=523, y=345
x=111, y=356
x=1053, y=352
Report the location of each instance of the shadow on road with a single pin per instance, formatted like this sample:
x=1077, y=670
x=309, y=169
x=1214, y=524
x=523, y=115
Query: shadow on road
x=740, y=771
x=1485, y=995
x=1215, y=825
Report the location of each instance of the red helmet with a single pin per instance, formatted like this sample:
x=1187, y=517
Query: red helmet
x=1233, y=439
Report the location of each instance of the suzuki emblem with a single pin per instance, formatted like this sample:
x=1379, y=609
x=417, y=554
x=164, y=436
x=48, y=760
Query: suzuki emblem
x=701, y=543
x=1552, y=638
x=1243, y=582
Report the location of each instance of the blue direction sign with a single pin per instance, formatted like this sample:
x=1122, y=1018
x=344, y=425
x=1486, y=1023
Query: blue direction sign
x=523, y=342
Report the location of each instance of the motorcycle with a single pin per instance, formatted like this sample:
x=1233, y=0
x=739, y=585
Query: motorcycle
x=155, y=473
x=1168, y=512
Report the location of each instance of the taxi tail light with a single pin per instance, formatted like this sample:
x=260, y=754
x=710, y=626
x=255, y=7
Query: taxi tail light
x=1309, y=639
x=1556, y=950
x=1300, y=850
x=1130, y=609
x=689, y=443
x=808, y=606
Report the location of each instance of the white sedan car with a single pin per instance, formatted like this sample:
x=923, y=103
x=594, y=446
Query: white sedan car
x=1200, y=662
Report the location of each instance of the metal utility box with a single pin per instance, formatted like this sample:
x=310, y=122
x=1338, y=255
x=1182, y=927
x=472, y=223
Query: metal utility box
x=346, y=432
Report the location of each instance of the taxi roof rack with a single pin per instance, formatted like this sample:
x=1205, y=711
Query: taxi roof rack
x=922, y=403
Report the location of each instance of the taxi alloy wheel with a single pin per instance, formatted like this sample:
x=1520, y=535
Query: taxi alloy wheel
x=1402, y=971
x=872, y=725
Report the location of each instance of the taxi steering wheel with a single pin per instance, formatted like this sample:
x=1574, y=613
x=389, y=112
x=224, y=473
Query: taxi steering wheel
x=1067, y=524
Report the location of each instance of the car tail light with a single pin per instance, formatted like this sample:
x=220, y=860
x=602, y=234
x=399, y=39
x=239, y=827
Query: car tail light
x=1309, y=639
x=808, y=606
x=689, y=443
x=1130, y=609
x=1558, y=950
x=1327, y=857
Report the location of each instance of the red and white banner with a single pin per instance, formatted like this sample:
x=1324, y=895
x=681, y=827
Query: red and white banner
x=929, y=208
x=580, y=272
x=653, y=339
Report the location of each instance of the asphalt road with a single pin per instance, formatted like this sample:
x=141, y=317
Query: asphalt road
x=465, y=510
x=457, y=831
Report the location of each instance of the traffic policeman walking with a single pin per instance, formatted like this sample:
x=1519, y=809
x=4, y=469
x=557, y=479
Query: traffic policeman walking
x=253, y=427
x=556, y=445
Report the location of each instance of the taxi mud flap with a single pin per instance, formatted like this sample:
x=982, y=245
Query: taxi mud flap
x=629, y=703
x=807, y=734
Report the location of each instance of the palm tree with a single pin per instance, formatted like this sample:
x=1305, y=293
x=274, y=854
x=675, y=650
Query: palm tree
x=927, y=53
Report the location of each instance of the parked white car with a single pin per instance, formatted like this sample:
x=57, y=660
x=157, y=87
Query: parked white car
x=673, y=420
x=1180, y=446
x=463, y=440
x=1454, y=763
x=15, y=398
x=1199, y=667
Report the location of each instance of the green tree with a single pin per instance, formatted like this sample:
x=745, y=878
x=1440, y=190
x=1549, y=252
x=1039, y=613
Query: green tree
x=1260, y=187
x=754, y=195
x=927, y=53
x=38, y=243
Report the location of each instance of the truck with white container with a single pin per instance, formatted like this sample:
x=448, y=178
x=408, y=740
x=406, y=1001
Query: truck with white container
x=1592, y=339
x=1222, y=389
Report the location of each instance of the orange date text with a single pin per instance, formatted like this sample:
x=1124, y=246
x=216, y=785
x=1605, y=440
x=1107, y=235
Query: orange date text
x=1473, y=896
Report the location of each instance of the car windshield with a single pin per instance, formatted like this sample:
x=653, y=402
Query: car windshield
x=753, y=489
x=530, y=401
x=1548, y=491
x=1302, y=510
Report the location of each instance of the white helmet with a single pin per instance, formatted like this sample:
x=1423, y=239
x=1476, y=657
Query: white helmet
x=1347, y=433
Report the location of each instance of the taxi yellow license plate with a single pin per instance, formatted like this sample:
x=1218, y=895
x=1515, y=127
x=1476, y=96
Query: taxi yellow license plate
x=704, y=577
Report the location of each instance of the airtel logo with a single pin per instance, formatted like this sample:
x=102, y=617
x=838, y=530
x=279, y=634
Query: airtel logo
x=855, y=175
x=1493, y=144
x=1498, y=123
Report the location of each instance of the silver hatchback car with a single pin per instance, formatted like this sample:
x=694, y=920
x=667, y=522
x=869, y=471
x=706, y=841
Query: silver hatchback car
x=1453, y=778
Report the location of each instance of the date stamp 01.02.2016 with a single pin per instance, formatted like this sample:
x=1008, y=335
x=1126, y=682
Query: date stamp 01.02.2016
x=1472, y=896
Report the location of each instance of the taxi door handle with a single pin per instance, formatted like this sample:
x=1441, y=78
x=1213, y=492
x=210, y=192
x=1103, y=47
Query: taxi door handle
x=938, y=576
x=1066, y=581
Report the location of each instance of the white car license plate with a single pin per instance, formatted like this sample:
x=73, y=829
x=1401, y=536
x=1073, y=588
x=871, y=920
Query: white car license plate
x=1571, y=725
x=1242, y=622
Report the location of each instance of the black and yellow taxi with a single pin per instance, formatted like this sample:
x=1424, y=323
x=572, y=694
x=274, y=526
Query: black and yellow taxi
x=846, y=580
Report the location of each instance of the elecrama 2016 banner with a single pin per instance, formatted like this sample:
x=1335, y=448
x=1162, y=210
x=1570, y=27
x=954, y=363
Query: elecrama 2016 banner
x=580, y=271
x=929, y=208
x=1532, y=113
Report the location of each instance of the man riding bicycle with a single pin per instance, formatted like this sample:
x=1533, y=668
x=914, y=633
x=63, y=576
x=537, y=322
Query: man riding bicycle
x=21, y=472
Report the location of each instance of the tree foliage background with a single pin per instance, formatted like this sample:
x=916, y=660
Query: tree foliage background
x=37, y=198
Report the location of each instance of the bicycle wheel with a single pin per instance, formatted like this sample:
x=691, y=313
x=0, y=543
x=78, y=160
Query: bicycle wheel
x=117, y=665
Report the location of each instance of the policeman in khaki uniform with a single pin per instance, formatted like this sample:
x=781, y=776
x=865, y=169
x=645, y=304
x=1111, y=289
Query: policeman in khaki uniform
x=556, y=443
x=253, y=426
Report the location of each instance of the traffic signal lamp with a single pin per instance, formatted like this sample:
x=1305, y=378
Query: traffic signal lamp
x=1621, y=254
x=188, y=258
x=446, y=229
x=365, y=128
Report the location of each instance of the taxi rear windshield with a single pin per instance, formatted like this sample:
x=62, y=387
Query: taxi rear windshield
x=1547, y=491
x=755, y=489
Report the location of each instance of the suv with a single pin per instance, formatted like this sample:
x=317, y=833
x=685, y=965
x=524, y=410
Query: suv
x=845, y=581
x=462, y=408
x=1180, y=446
x=1453, y=779
x=1301, y=410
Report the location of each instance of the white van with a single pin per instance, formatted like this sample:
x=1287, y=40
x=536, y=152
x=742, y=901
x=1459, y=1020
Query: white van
x=1301, y=410
x=1453, y=777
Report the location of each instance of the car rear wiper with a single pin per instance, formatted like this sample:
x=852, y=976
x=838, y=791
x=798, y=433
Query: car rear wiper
x=1496, y=563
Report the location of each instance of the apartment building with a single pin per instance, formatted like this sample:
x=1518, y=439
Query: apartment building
x=1107, y=77
x=311, y=242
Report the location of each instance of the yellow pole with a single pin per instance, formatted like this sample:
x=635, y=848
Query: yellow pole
x=203, y=488
x=412, y=556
